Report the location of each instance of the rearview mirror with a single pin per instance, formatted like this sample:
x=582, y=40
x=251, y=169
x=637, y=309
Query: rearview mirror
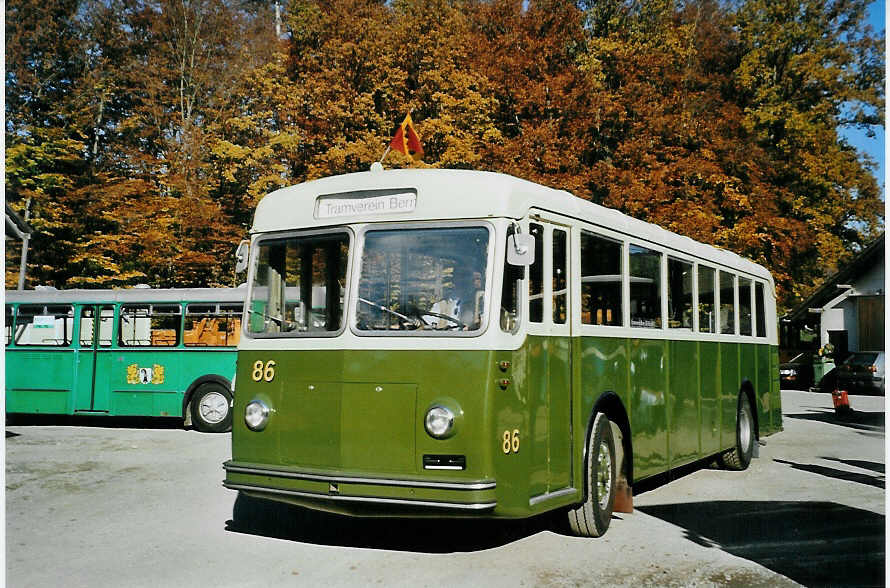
x=520, y=249
x=242, y=254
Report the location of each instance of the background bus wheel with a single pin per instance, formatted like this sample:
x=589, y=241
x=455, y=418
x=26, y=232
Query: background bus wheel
x=739, y=457
x=591, y=519
x=211, y=408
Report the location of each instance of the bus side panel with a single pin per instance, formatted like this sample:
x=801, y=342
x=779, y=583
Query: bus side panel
x=40, y=381
x=538, y=381
x=776, y=404
x=763, y=389
x=145, y=383
x=730, y=386
x=684, y=402
x=648, y=400
x=709, y=373
x=603, y=367
x=748, y=371
x=560, y=436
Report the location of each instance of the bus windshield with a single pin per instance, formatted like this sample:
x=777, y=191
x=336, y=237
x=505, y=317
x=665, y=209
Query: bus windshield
x=297, y=286
x=429, y=280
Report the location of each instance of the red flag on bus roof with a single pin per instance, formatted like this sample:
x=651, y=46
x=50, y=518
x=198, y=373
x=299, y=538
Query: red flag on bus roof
x=407, y=140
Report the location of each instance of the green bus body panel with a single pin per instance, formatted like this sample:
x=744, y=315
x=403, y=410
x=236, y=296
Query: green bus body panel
x=80, y=379
x=341, y=414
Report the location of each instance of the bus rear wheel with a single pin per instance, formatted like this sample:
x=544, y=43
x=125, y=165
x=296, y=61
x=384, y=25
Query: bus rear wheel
x=592, y=517
x=739, y=457
x=211, y=408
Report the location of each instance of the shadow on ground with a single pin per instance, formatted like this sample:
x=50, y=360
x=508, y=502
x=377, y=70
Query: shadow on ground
x=813, y=543
x=46, y=420
x=425, y=535
x=855, y=419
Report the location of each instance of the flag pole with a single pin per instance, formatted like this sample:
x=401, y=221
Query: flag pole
x=385, y=153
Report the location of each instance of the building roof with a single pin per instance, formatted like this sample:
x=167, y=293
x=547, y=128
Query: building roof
x=864, y=260
x=16, y=224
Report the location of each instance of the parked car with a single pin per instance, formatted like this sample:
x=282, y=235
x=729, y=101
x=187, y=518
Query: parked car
x=797, y=373
x=862, y=372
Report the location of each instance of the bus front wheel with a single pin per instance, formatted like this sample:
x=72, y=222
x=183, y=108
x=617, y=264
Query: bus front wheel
x=211, y=408
x=592, y=517
x=739, y=456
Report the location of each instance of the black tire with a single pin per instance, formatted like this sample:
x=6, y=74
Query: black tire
x=739, y=457
x=211, y=408
x=592, y=517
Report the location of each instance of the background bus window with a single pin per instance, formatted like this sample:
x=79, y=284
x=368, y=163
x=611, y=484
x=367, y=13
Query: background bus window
x=298, y=283
x=9, y=318
x=679, y=294
x=645, y=287
x=560, y=285
x=536, y=276
x=601, y=292
x=87, y=323
x=212, y=325
x=44, y=325
x=150, y=326
x=745, y=326
x=760, y=310
x=513, y=275
x=727, y=303
x=707, y=318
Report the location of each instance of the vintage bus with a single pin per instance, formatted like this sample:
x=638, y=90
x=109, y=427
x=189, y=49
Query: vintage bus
x=130, y=352
x=460, y=343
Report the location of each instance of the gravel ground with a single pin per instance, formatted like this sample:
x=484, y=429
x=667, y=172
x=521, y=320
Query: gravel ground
x=124, y=506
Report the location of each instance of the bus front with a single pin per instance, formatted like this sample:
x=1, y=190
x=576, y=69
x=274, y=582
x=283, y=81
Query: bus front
x=371, y=356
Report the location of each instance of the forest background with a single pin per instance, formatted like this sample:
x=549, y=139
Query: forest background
x=140, y=134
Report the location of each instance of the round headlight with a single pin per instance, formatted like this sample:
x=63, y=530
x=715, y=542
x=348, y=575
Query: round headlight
x=439, y=422
x=256, y=415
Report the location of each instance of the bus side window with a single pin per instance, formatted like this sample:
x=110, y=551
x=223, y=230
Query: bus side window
x=760, y=309
x=536, y=277
x=560, y=283
x=9, y=320
x=207, y=325
x=510, y=298
x=745, y=326
x=679, y=294
x=645, y=287
x=150, y=326
x=49, y=325
x=706, y=316
x=601, y=291
x=727, y=303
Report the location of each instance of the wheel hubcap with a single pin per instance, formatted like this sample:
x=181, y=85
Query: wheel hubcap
x=604, y=475
x=745, y=434
x=213, y=407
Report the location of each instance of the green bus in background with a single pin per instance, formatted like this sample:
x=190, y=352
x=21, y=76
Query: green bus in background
x=459, y=343
x=136, y=352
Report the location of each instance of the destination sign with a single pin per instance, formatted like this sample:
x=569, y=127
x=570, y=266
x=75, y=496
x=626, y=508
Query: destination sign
x=340, y=205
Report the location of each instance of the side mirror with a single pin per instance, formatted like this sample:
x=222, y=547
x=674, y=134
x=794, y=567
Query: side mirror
x=242, y=254
x=520, y=249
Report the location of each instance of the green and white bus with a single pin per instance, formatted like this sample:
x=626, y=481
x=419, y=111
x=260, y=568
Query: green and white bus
x=461, y=343
x=134, y=352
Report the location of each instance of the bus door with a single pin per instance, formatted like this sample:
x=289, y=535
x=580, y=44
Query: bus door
x=550, y=358
x=96, y=334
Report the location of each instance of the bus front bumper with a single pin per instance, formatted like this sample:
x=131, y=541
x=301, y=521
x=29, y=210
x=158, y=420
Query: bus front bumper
x=362, y=496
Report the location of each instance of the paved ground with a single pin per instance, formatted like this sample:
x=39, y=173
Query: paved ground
x=98, y=506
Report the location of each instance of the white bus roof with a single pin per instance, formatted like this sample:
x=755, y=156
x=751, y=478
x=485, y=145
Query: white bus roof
x=142, y=295
x=443, y=194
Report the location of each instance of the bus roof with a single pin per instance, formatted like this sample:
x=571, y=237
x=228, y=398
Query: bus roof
x=146, y=295
x=444, y=194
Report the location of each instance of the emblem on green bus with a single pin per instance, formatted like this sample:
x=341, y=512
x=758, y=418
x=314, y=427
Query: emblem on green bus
x=145, y=375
